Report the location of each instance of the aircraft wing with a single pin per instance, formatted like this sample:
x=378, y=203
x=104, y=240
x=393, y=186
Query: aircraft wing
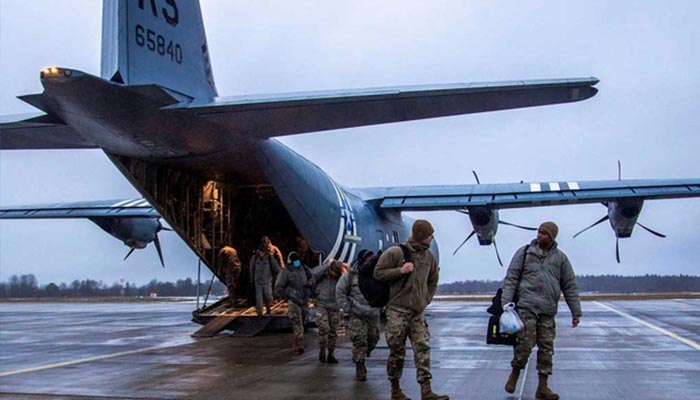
x=520, y=195
x=85, y=209
x=284, y=114
x=39, y=131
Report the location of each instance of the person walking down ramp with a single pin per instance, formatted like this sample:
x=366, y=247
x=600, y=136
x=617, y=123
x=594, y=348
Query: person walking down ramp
x=262, y=268
x=538, y=273
x=296, y=284
x=327, y=310
x=413, y=285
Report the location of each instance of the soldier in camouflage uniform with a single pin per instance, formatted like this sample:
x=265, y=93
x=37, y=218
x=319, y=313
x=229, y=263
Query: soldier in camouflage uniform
x=413, y=285
x=364, y=319
x=539, y=273
x=327, y=310
x=229, y=271
x=295, y=284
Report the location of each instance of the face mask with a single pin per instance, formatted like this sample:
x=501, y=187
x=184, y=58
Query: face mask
x=296, y=264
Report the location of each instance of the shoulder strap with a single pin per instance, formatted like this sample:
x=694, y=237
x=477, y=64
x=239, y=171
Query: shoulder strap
x=406, y=253
x=522, y=267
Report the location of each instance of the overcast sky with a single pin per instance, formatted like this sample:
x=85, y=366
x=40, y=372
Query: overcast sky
x=646, y=115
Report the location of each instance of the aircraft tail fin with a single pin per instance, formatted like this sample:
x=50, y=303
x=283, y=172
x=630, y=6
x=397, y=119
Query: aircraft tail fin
x=158, y=42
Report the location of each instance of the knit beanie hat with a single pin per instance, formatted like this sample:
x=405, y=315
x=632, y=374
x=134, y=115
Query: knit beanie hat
x=551, y=228
x=422, y=230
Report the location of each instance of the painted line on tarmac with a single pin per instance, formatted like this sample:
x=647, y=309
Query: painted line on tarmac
x=95, y=358
x=668, y=333
x=522, y=384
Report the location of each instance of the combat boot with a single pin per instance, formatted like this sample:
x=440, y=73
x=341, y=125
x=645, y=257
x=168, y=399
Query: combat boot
x=396, y=393
x=426, y=393
x=512, y=380
x=299, y=346
x=331, y=358
x=543, y=391
x=322, y=354
x=360, y=371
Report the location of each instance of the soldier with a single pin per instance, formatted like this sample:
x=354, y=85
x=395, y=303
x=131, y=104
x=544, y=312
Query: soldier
x=295, y=284
x=273, y=250
x=327, y=311
x=262, y=268
x=413, y=285
x=307, y=256
x=364, y=319
x=539, y=279
x=229, y=271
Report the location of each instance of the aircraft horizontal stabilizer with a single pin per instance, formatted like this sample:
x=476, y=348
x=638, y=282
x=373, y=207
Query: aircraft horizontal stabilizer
x=39, y=131
x=266, y=116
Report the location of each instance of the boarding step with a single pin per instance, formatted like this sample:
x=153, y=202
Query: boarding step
x=213, y=327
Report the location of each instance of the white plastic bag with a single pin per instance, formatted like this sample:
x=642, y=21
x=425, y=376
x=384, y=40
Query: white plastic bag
x=510, y=322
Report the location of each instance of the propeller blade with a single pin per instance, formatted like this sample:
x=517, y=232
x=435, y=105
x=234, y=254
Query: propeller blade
x=652, y=231
x=160, y=252
x=619, y=171
x=129, y=253
x=465, y=241
x=476, y=177
x=527, y=228
x=594, y=224
x=617, y=249
x=497, y=255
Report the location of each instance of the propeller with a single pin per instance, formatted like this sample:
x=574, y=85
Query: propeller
x=652, y=231
x=156, y=241
x=465, y=241
x=497, y=255
x=129, y=253
x=476, y=177
x=527, y=228
x=605, y=218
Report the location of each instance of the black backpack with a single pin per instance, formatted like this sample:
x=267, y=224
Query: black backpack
x=374, y=291
x=493, y=331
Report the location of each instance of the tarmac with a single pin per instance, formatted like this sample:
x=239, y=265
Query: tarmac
x=622, y=350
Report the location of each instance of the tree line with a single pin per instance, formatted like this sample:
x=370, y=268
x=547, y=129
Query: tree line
x=28, y=286
x=25, y=286
x=593, y=283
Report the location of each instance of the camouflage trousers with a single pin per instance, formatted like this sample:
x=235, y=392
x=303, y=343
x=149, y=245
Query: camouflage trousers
x=327, y=321
x=399, y=326
x=298, y=316
x=540, y=330
x=364, y=334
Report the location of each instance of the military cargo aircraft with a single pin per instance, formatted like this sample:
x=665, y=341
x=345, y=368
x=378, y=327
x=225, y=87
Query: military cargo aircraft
x=210, y=165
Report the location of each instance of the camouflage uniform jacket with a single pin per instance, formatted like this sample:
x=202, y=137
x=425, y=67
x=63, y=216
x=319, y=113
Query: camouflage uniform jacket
x=325, y=287
x=544, y=278
x=295, y=284
x=413, y=291
x=351, y=299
